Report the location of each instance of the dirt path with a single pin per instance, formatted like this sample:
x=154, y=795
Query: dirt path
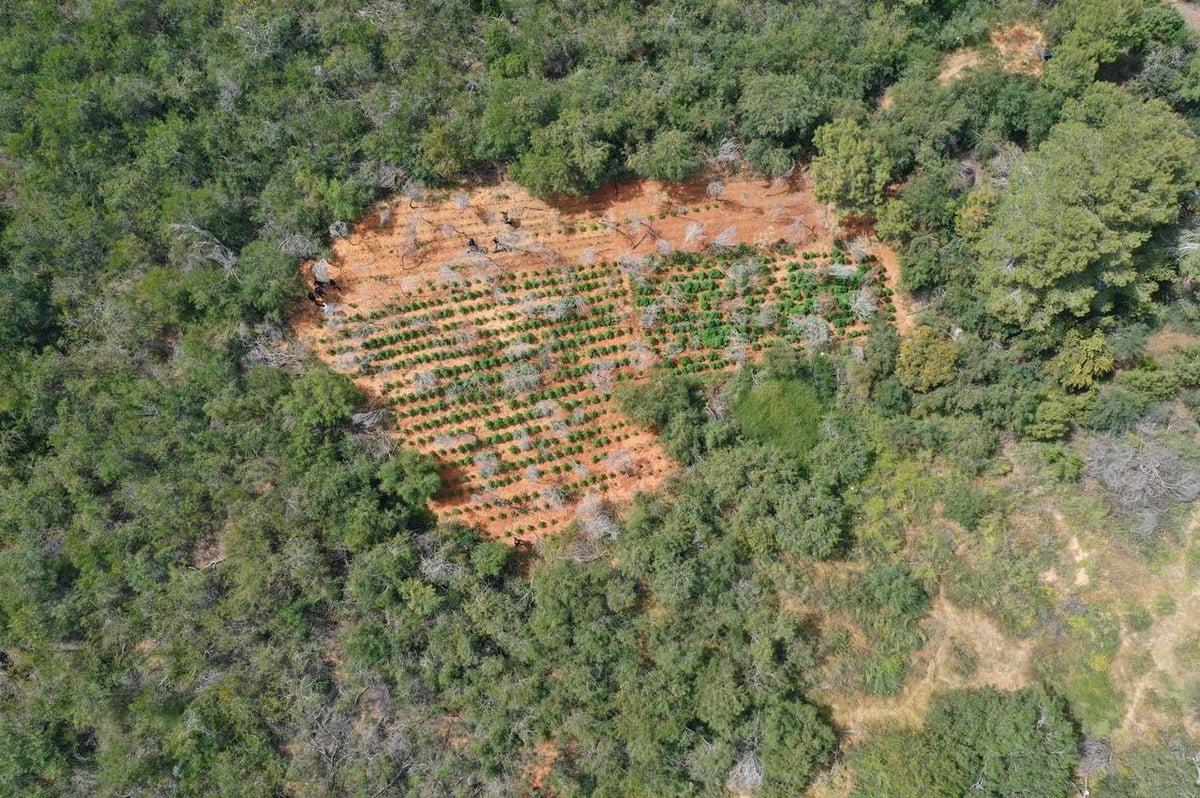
x=1001, y=661
x=891, y=268
x=1190, y=13
x=1159, y=663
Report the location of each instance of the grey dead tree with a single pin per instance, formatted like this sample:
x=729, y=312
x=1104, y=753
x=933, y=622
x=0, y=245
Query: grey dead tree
x=414, y=190
x=488, y=464
x=274, y=348
x=339, y=230
x=391, y=176
x=737, y=348
x=621, y=462
x=204, y=246
x=1004, y=163
x=841, y=271
x=520, y=379
x=230, y=91
x=595, y=519
x=548, y=407
x=582, y=549
x=717, y=404
x=601, y=375
x=865, y=306
x=519, y=350
x=650, y=316
x=693, y=234
x=1143, y=479
x=370, y=419
x=729, y=153
x=715, y=190
x=636, y=267
x=746, y=775
x=812, y=329
x=767, y=315
x=424, y=381
x=554, y=497
x=643, y=356
x=436, y=568
x=298, y=246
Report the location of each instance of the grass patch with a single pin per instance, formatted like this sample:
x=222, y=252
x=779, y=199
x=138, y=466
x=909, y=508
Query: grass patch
x=782, y=413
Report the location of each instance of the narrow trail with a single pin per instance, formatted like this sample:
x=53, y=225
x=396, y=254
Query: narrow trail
x=1001, y=661
x=900, y=300
x=1156, y=663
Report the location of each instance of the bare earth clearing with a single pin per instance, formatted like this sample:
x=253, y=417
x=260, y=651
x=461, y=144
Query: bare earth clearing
x=1016, y=50
x=501, y=358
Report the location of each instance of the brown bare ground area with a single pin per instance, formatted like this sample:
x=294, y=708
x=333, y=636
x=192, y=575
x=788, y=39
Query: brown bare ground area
x=1016, y=49
x=1190, y=13
x=413, y=254
x=538, y=768
x=891, y=268
x=1163, y=345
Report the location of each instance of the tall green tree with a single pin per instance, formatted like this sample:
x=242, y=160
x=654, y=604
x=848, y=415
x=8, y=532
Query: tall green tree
x=1067, y=239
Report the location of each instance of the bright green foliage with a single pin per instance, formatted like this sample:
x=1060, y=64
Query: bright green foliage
x=670, y=155
x=979, y=742
x=851, y=169
x=926, y=360
x=1083, y=361
x=965, y=504
x=779, y=107
x=1052, y=419
x=1065, y=237
x=785, y=415
x=566, y=157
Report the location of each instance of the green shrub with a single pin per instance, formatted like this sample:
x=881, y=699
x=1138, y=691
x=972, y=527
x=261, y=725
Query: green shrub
x=965, y=505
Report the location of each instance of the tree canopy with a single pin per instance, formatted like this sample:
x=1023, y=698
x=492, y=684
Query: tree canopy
x=1068, y=237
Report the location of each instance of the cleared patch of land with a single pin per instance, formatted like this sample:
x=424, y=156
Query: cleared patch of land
x=1016, y=49
x=497, y=327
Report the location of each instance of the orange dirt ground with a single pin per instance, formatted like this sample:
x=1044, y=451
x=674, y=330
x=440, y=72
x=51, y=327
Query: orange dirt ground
x=413, y=253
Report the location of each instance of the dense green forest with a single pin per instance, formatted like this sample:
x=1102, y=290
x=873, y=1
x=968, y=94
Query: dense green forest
x=215, y=579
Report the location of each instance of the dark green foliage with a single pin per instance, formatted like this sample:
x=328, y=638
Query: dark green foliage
x=965, y=505
x=1117, y=169
x=675, y=406
x=1115, y=408
x=974, y=742
x=212, y=583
